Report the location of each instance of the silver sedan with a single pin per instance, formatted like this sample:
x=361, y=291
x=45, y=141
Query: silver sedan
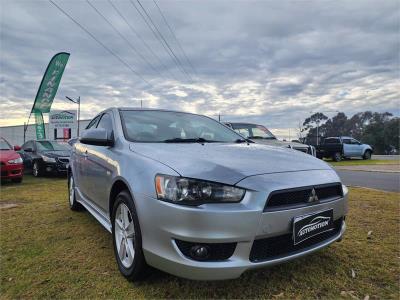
x=187, y=195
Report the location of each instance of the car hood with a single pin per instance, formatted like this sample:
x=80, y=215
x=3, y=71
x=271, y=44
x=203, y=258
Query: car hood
x=55, y=154
x=6, y=155
x=280, y=143
x=227, y=163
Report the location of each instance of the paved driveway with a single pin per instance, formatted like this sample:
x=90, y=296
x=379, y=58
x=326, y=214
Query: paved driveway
x=377, y=180
x=386, y=157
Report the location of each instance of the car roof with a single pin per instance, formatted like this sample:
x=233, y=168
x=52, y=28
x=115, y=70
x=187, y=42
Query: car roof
x=243, y=123
x=339, y=137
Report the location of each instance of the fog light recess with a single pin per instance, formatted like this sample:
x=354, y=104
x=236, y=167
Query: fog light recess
x=206, y=251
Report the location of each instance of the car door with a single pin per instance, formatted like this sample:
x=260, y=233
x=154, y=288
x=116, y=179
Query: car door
x=79, y=154
x=99, y=169
x=27, y=154
x=357, y=147
x=348, y=148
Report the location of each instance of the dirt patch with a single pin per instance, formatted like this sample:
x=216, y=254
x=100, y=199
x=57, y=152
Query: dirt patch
x=4, y=206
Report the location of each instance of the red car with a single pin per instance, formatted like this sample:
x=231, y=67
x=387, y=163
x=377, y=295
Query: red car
x=11, y=164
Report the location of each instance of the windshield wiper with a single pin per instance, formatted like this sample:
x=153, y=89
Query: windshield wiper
x=238, y=141
x=181, y=140
x=263, y=138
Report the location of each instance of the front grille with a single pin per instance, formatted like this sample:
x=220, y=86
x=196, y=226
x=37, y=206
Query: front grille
x=218, y=251
x=64, y=160
x=282, y=245
x=299, y=196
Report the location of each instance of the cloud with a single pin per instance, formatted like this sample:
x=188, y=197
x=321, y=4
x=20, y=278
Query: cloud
x=258, y=61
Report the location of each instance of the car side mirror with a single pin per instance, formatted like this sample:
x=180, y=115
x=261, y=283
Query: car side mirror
x=28, y=150
x=97, y=137
x=17, y=148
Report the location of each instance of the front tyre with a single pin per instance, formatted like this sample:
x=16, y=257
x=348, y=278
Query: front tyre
x=337, y=156
x=73, y=204
x=127, y=238
x=367, y=155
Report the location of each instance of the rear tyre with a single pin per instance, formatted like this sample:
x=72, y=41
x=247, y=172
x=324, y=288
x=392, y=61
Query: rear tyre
x=73, y=204
x=17, y=180
x=127, y=239
x=367, y=155
x=36, y=169
x=337, y=156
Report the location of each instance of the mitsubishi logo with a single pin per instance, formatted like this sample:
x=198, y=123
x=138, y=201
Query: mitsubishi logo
x=313, y=196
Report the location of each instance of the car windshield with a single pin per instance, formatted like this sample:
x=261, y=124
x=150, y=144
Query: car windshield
x=4, y=145
x=253, y=131
x=51, y=146
x=174, y=127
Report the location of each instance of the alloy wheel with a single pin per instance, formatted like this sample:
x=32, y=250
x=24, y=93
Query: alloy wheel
x=35, y=169
x=124, y=235
x=71, y=191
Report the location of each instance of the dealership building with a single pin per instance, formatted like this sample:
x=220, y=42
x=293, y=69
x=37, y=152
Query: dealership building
x=15, y=134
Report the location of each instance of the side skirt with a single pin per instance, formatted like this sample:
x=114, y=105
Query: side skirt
x=94, y=211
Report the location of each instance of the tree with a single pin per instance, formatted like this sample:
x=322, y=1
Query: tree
x=312, y=125
x=380, y=130
x=336, y=125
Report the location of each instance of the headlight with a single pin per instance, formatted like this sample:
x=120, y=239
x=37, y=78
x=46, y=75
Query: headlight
x=15, y=161
x=48, y=159
x=188, y=191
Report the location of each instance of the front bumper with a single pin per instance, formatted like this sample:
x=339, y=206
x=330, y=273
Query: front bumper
x=11, y=171
x=56, y=168
x=241, y=223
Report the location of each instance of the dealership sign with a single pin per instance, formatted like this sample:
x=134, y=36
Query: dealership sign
x=62, y=124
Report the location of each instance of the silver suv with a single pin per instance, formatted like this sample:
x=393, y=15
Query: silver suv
x=187, y=195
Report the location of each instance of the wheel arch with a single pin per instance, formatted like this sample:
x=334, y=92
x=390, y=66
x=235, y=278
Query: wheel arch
x=368, y=149
x=118, y=186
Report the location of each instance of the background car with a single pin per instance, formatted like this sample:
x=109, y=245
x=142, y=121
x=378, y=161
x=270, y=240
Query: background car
x=343, y=147
x=45, y=156
x=72, y=141
x=261, y=135
x=11, y=165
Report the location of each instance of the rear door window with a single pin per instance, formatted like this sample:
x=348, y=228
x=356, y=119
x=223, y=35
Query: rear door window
x=347, y=141
x=332, y=141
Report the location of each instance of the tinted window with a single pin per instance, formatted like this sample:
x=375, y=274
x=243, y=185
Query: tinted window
x=253, y=131
x=354, y=142
x=332, y=141
x=51, y=146
x=27, y=145
x=166, y=126
x=346, y=141
x=105, y=122
x=93, y=122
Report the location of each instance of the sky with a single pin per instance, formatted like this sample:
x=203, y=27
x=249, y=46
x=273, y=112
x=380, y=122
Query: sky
x=269, y=62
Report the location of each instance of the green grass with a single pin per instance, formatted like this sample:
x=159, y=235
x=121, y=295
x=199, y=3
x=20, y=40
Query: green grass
x=361, y=162
x=48, y=251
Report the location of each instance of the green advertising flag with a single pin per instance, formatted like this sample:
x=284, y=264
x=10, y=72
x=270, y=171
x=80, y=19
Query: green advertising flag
x=40, y=130
x=50, y=82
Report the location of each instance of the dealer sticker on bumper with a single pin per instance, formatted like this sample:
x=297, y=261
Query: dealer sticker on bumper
x=308, y=226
